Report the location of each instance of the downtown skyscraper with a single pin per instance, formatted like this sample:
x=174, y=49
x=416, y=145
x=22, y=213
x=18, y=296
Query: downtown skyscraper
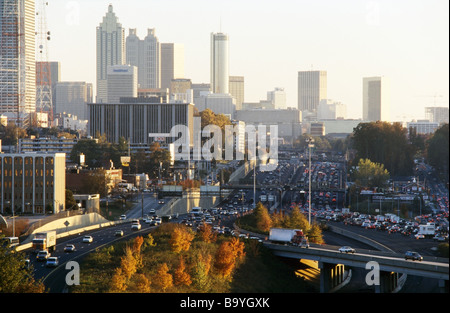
x=110, y=50
x=219, y=63
x=17, y=57
x=312, y=87
x=145, y=54
x=376, y=103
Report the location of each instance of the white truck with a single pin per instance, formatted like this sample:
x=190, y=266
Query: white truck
x=428, y=230
x=288, y=236
x=44, y=241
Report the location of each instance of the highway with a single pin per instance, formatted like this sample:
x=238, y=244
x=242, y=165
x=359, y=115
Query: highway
x=54, y=278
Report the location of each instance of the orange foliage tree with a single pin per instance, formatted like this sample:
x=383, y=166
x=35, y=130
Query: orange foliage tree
x=227, y=255
x=206, y=233
x=163, y=279
x=181, y=239
x=180, y=276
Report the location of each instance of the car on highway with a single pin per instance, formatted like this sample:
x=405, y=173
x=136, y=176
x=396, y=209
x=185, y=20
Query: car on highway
x=88, y=239
x=419, y=236
x=42, y=255
x=123, y=217
x=152, y=212
x=346, y=249
x=52, y=262
x=440, y=238
x=69, y=248
x=136, y=226
x=118, y=233
x=412, y=255
x=161, y=201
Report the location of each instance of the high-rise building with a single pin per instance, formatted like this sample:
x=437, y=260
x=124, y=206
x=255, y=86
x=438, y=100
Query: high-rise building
x=437, y=114
x=376, y=106
x=172, y=63
x=312, y=87
x=73, y=98
x=122, y=82
x=219, y=63
x=145, y=55
x=110, y=49
x=17, y=56
x=237, y=90
x=278, y=98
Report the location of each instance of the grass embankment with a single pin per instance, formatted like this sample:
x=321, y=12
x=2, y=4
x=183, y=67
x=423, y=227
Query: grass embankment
x=173, y=259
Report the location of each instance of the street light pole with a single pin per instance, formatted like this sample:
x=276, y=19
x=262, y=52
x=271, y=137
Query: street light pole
x=310, y=142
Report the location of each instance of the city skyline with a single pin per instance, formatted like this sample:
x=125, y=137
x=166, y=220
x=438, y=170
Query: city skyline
x=404, y=41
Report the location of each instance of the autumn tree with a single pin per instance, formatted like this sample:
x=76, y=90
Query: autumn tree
x=181, y=239
x=128, y=263
x=118, y=281
x=180, y=276
x=227, y=255
x=162, y=278
x=297, y=220
x=141, y=283
x=136, y=250
x=262, y=217
x=315, y=234
x=206, y=234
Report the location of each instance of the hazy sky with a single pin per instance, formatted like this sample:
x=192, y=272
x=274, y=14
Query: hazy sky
x=270, y=41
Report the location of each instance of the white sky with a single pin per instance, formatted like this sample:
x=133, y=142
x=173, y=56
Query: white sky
x=270, y=41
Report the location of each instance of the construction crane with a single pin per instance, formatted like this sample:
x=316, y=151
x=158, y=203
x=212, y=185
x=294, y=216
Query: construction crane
x=436, y=95
x=44, y=102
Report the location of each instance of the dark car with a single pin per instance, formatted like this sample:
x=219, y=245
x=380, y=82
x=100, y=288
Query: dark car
x=411, y=255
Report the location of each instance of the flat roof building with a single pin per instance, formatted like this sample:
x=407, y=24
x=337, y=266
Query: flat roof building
x=33, y=183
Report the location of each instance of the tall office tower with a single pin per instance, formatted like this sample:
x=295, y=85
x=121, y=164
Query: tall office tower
x=110, y=49
x=73, y=98
x=145, y=55
x=172, y=63
x=312, y=87
x=376, y=104
x=219, y=63
x=236, y=88
x=122, y=82
x=17, y=57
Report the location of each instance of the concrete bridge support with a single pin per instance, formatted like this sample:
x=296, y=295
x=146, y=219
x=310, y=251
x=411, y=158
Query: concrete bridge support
x=388, y=282
x=331, y=276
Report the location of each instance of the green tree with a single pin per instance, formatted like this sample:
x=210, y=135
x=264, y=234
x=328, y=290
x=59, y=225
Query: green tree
x=95, y=182
x=438, y=151
x=369, y=174
x=15, y=277
x=70, y=200
x=384, y=143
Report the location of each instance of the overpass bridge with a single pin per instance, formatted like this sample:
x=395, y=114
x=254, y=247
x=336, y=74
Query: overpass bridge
x=333, y=263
